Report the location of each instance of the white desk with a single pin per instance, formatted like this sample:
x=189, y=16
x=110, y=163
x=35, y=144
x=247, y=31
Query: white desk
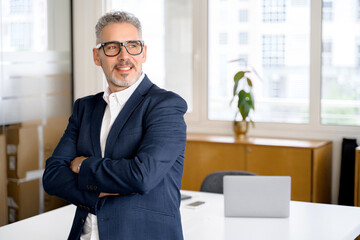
x=307, y=221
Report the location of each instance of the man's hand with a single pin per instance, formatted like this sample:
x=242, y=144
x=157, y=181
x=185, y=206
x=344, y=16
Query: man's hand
x=74, y=165
x=107, y=194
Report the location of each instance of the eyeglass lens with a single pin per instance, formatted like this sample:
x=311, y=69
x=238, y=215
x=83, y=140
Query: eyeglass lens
x=132, y=47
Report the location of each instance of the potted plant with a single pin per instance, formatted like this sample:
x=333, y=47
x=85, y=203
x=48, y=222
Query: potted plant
x=243, y=91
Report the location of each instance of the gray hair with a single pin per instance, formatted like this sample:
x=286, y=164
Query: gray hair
x=117, y=17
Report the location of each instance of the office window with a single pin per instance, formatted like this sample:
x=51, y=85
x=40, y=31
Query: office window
x=223, y=38
x=223, y=17
x=243, y=60
x=20, y=6
x=243, y=15
x=340, y=98
x=327, y=52
x=279, y=53
x=358, y=55
x=20, y=35
x=273, y=48
x=274, y=11
x=327, y=13
x=276, y=85
x=167, y=31
x=243, y=38
x=299, y=3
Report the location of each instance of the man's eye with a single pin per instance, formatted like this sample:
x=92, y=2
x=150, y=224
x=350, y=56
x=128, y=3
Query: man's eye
x=112, y=47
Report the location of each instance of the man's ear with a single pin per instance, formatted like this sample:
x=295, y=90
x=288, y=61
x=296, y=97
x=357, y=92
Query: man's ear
x=144, y=54
x=96, y=57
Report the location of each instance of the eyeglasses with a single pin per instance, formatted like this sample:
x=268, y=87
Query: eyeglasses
x=113, y=48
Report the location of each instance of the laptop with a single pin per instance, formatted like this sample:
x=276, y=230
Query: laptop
x=257, y=196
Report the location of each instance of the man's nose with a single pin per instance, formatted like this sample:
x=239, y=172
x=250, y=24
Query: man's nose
x=123, y=53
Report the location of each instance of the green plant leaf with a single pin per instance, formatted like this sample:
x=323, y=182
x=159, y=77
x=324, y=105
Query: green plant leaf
x=244, y=103
x=237, y=77
x=235, y=87
x=249, y=82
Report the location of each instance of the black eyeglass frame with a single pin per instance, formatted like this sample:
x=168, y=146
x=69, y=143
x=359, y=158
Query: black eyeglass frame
x=122, y=44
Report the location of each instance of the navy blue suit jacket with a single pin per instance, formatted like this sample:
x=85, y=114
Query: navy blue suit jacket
x=144, y=160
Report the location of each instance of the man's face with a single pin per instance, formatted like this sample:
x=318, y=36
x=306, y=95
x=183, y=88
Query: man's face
x=124, y=69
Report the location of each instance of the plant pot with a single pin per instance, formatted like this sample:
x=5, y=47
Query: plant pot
x=240, y=128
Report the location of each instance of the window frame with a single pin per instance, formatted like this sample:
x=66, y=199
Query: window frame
x=198, y=121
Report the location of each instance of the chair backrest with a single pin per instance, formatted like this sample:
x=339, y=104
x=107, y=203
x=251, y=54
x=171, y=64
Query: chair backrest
x=213, y=182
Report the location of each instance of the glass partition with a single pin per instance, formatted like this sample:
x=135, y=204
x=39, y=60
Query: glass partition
x=35, y=98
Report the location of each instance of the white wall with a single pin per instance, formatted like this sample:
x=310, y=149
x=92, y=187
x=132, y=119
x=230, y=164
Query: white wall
x=87, y=76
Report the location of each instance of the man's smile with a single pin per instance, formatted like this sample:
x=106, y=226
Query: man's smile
x=124, y=67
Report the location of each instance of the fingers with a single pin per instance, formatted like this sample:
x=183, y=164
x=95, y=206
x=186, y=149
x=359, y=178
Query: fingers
x=107, y=194
x=75, y=163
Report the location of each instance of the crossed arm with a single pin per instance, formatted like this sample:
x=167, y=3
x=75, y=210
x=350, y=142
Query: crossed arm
x=75, y=167
x=163, y=141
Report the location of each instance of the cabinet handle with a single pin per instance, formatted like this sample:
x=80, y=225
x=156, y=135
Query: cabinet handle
x=249, y=150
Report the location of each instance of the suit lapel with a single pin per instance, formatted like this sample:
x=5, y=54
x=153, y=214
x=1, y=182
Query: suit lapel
x=96, y=122
x=125, y=113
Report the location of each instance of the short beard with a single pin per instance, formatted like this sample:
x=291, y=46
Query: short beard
x=118, y=83
x=122, y=83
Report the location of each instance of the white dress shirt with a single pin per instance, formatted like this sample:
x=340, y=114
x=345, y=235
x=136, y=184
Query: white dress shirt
x=115, y=102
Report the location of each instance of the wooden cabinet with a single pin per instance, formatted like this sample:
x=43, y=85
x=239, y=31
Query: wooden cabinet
x=357, y=178
x=3, y=182
x=308, y=162
x=294, y=162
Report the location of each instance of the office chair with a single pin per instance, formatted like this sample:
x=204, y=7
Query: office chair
x=213, y=182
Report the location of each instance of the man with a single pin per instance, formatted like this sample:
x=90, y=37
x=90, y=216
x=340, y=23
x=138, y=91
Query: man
x=120, y=160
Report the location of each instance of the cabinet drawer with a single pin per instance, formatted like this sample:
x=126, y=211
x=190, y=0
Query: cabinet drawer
x=203, y=158
x=294, y=162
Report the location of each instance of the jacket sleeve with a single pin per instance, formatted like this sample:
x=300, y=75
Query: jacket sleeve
x=58, y=179
x=163, y=143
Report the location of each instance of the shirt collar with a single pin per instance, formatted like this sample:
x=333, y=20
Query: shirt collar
x=122, y=96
